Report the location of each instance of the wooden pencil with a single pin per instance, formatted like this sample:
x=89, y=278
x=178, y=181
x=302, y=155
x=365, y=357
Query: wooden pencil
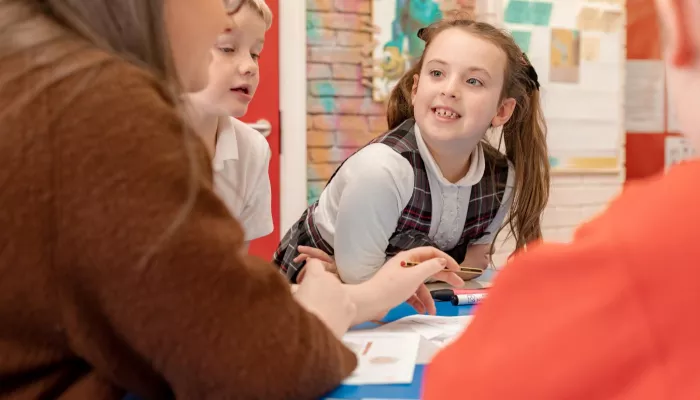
x=461, y=269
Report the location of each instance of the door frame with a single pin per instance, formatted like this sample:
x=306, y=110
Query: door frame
x=292, y=88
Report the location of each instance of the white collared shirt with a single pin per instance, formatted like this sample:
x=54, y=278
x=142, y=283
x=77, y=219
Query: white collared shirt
x=359, y=209
x=241, y=179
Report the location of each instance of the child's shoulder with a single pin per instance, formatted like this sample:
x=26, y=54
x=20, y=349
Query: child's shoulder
x=378, y=155
x=375, y=169
x=376, y=163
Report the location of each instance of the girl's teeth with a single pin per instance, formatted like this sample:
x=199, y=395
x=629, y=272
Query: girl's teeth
x=445, y=113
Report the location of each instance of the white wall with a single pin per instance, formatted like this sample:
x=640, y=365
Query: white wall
x=292, y=29
x=573, y=199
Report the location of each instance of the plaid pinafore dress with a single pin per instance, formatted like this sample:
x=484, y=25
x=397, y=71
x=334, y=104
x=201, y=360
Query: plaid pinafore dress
x=414, y=223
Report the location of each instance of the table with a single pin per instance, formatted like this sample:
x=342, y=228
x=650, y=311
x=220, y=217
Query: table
x=406, y=391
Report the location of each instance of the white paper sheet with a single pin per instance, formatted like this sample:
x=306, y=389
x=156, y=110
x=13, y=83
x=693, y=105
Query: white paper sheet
x=677, y=149
x=383, y=357
x=671, y=121
x=644, y=97
x=438, y=330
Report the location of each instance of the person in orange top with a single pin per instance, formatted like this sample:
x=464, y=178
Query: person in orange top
x=613, y=314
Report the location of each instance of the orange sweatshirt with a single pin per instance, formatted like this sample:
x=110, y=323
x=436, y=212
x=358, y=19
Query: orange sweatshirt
x=613, y=315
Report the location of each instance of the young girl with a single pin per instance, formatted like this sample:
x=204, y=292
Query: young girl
x=593, y=319
x=241, y=154
x=432, y=179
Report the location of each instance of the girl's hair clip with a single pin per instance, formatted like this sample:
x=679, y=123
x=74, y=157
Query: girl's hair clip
x=531, y=73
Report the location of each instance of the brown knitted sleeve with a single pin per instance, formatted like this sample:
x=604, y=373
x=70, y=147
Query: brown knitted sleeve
x=196, y=318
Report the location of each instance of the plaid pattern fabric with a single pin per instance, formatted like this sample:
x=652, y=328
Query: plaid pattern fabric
x=303, y=233
x=484, y=201
x=413, y=226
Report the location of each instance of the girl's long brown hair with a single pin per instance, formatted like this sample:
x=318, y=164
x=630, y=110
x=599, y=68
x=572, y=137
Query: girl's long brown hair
x=524, y=135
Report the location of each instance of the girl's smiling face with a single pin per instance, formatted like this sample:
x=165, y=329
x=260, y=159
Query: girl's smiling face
x=458, y=93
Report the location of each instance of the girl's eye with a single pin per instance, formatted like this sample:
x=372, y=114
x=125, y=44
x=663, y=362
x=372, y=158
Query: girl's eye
x=227, y=49
x=435, y=73
x=255, y=57
x=474, y=82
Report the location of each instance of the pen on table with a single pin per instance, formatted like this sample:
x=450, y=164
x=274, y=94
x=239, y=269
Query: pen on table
x=459, y=296
x=461, y=269
x=467, y=299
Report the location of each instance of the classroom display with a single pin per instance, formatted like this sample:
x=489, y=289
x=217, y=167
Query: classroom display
x=578, y=49
x=398, y=46
x=576, y=46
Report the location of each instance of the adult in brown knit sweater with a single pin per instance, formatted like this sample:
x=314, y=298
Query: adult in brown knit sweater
x=121, y=269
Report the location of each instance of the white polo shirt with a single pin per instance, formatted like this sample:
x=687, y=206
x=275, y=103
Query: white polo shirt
x=241, y=161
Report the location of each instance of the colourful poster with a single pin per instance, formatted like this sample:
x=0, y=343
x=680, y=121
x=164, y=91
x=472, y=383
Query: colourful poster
x=398, y=22
x=397, y=45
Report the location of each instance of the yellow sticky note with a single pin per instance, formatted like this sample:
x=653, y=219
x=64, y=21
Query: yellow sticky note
x=590, y=49
x=611, y=21
x=589, y=19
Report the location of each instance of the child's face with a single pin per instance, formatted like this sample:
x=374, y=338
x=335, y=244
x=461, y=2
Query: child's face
x=681, y=32
x=233, y=71
x=191, y=39
x=457, y=95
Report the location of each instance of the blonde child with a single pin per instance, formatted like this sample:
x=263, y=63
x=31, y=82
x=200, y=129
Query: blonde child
x=432, y=179
x=241, y=155
x=592, y=319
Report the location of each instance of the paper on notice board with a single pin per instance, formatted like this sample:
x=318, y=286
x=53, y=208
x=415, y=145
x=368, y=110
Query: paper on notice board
x=590, y=48
x=564, y=58
x=611, y=21
x=644, y=96
x=383, y=357
x=589, y=19
x=677, y=149
x=522, y=39
x=528, y=12
x=611, y=2
x=671, y=119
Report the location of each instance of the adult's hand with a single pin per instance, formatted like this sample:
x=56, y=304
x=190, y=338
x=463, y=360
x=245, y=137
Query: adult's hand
x=394, y=284
x=322, y=294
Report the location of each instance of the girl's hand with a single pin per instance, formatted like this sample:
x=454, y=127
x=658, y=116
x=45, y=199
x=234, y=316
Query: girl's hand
x=306, y=252
x=478, y=256
x=323, y=294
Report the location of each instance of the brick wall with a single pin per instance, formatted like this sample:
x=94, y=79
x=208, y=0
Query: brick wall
x=342, y=115
x=340, y=109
